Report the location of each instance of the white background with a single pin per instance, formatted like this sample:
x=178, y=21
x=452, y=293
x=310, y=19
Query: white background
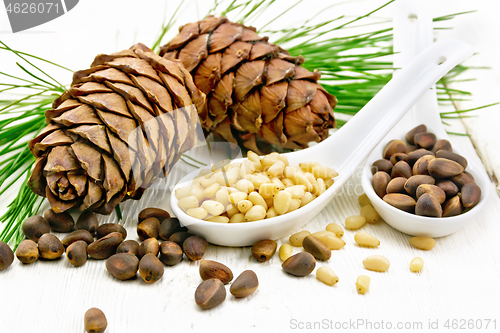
x=461, y=275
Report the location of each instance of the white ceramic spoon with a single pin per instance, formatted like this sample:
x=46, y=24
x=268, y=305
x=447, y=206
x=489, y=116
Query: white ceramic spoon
x=343, y=151
x=413, y=33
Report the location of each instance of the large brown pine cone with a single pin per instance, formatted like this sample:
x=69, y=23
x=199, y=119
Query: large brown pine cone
x=123, y=123
x=255, y=89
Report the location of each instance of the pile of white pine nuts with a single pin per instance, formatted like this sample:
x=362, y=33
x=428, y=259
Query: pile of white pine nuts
x=256, y=189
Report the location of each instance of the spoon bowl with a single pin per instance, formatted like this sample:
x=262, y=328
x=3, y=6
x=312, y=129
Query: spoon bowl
x=344, y=151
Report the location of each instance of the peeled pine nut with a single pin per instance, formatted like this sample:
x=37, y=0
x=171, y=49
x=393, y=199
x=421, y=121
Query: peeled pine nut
x=321, y=186
x=206, y=182
x=218, y=219
x=268, y=190
x=281, y=202
x=269, y=202
x=284, y=159
x=324, y=172
x=297, y=191
x=257, y=199
x=363, y=200
x=336, y=229
x=326, y=275
x=416, y=264
x=182, y=192
x=328, y=183
x=278, y=182
x=287, y=182
x=297, y=238
x=237, y=218
x=271, y=212
x=244, y=206
x=301, y=179
x=188, y=202
x=285, y=251
x=355, y=222
x=244, y=185
x=277, y=169
x=370, y=214
x=376, y=263
x=330, y=239
x=236, y=197
x=213, y=207
x=197, y=212
x=290, y=172
x=222, y=196
x=255, y=213
x=308, y=166
x=307, y=198
x=258, y=166
x=294, y=204
x=362, y=284
x=211, y=190
x=423, y=243
x=366, y=240
x=231, y=210
x=197, y=190
x=268, y=161
x=247, y=167
x=253, y=156
x=258, y=179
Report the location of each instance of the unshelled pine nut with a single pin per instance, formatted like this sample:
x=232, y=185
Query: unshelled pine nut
x=376, y=263
x=366, y=240
x=363, y=200
x=257, y=199
x=182, y=192
x=416, y=264
x=370, y=214
x=336, y=229
x=285, y=251
x=423, y=243
x=354, y=222
x=213, y=207
x=362, y=284
x=255, y=213
x=244, y=206
x=297, y=238
x=268, y=190
x=218, y=219
x=197, y=212
x=324, y=172
x=188, y=202
x=330, y=239
x=326, y=275
x=237, y=218
x=281, y=202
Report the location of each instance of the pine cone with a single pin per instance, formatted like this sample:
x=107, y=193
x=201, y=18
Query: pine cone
x=122, y=124
x=255, y=89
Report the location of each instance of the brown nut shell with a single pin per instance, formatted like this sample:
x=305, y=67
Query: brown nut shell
x=411, y=133
x=393, y=147
x=401, y=169
x=34, y=227
x=122, y=266
x=59, y=222
x=395, y=158
x=380, y=181
x=316, y=247
x=449, y=155
x=87, y=221
x=210, y=269
x=425, y=140
x=149, y=246
x=421, y=165
x=158, y=213
x=444, y=168
x=27, y=252
x=428, y=205
x=414, y=182
x=169, y=227
x=77, y=253
x=413, y=157
x=77, y=235
x=452, y=207
x=433, y=190
x=195, y=247
x=300, y=264
x=180, y=237
x=170, y=253
x=264, y=250
x=6, y=256
x=471, y=193
x=245, y=284
x=442, y=145
x=396, y=185
x=149, y=228
x=108, y=228
x=150, y=268
x=95, y=321
x=105, y=247
x=449, y=188
x=401, y=201
x=209, y=294
x=50, y=247
x=462, y=179
x=381, y=165
x=129, y=246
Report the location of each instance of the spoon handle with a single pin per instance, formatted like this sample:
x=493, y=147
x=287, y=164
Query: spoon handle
x=350, y=145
